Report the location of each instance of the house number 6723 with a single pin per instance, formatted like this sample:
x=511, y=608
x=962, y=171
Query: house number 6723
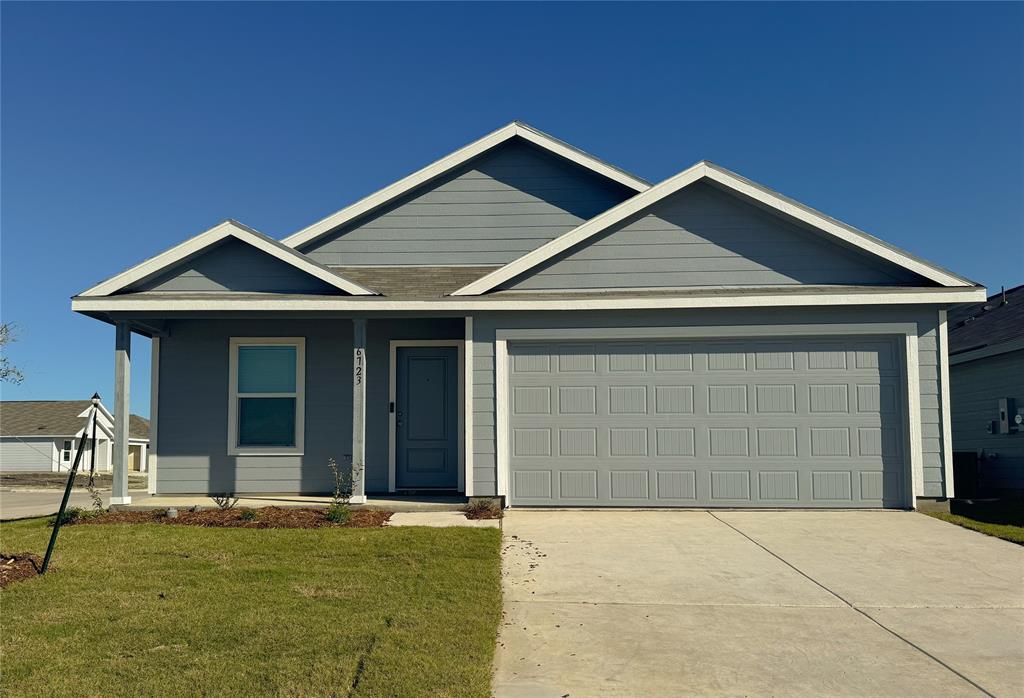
x=359, y=366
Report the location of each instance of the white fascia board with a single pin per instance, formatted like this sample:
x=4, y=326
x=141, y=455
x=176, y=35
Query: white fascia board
x=165, y=260
x=729, y=180
x=450, y=162
x=923, y=296
x=820, y=221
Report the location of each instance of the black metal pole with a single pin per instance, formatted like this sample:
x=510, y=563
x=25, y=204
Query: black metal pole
x=67, y=495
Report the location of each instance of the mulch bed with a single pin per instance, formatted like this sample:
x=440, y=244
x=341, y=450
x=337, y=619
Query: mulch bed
x=19, y=566
x=266, y=517
x=483, y=509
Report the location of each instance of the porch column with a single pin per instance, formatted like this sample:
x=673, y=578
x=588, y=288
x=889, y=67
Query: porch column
x=359, y=409
x=122, y=411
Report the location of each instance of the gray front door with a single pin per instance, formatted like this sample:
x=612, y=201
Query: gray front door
x=426, y=418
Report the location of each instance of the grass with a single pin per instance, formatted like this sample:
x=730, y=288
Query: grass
x=174, y=611
x=1002, y=519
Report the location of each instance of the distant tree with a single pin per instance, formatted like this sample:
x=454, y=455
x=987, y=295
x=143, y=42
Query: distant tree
x=9, y=373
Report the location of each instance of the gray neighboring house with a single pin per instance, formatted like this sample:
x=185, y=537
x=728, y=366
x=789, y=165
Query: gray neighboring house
x=38, y=436
x=986, y=356
x=522, y=320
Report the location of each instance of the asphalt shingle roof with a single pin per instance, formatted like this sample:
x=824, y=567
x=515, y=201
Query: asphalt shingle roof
x=54, y=418
x=986, y=324
x=414, y=282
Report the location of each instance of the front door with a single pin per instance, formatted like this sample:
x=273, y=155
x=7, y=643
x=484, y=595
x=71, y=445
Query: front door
x=426, y=418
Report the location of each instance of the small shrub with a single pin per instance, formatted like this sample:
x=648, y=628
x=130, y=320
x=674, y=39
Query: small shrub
x=228, y=500
x=73, y=515
x=249, y=515
x=484, y=508
x=338, y=513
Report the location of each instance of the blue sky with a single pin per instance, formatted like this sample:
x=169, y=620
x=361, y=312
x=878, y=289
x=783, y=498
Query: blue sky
x=127, y=128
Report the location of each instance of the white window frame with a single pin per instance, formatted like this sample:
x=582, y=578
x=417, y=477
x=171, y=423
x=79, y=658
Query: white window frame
x=300, y=397
x=65, y=453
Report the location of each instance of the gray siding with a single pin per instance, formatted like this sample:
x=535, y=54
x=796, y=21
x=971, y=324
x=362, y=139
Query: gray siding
x=234, y=265
x=976, y=387
x=379, y=336
x=26, y=455
x=490, y=211
x=485, y=325
x=703, y=236
x=193, y=409
x=194, y=392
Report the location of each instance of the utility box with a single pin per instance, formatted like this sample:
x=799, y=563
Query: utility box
x=1007, y=415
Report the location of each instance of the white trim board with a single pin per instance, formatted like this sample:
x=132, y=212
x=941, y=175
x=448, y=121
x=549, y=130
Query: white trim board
x=467, y=402
x=474, y=304
x=193, y=246
x=909, y=330
x=728, y=180
x=463, y=435
x=154, y=413
x=453, y=160
x=946, y=412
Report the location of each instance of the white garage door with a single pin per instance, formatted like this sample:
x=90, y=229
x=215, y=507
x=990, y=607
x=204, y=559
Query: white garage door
x=786, y=423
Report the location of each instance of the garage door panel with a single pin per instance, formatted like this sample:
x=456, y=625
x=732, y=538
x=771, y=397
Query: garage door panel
x=812, y=422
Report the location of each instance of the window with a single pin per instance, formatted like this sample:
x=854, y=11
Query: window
x=65, y=454
x=267, y=382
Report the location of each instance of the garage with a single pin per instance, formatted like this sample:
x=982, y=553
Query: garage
x=793, y=422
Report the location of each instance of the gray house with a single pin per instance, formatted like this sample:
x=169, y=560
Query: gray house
x=986, y=356
x=520, y=319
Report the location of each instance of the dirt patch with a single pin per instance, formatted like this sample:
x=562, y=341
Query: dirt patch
x=58, y=481
x=267, y=517
x=19, y=566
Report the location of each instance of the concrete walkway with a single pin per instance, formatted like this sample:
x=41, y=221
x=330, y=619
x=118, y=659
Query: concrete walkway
x=757, y=603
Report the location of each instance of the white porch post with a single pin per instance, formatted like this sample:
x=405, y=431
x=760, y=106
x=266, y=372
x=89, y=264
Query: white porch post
x=359, y=409
x=122, y=409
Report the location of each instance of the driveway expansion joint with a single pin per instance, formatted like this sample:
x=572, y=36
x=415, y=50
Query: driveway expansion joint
x=851, y=605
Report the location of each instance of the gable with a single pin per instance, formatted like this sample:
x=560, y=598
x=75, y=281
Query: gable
x=489, y=211
x=234, y=265
x=702, y=236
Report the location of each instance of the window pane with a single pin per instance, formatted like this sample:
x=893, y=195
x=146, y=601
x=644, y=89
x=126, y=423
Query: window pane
x=269, y=369
x=266, y=421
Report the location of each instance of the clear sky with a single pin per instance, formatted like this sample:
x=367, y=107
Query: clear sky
x=127, y=128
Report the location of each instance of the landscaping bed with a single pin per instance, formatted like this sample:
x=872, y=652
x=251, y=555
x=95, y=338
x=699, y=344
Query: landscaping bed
x=14, y=568
x=266, y=517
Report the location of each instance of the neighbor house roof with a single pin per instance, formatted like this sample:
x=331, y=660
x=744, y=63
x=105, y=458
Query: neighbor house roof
x=55, y=418
x=179, y=253
x=453, y=160
x=996, y=321
x=722, y=177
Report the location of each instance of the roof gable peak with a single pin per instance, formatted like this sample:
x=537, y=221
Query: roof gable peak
x=192, y=247
x=729, y=181
x=455, y=159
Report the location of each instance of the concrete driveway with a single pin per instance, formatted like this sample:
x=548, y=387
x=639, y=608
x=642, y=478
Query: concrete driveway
x=757, y=603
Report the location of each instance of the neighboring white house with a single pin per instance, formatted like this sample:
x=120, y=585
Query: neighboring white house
x=42, y=436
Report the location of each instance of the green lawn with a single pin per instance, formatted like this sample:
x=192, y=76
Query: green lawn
x=179, y=610
x=1002, y=519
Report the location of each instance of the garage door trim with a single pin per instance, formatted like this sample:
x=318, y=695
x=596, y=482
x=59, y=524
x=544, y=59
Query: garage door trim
x=908, y=330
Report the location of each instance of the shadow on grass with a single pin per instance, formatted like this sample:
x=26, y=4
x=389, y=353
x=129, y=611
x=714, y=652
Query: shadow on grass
x=1005, y=512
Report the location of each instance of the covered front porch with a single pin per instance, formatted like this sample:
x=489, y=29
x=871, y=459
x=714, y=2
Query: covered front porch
x=257, y=405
